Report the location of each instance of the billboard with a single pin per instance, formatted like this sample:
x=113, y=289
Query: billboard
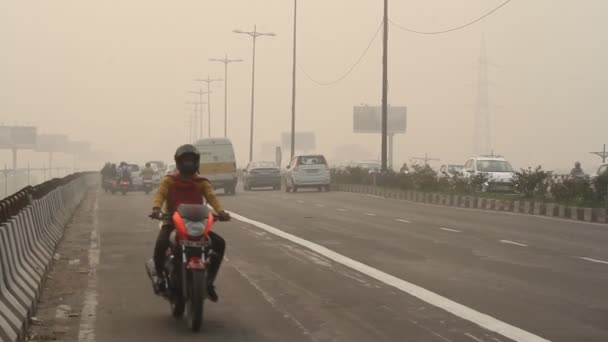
x=368, y=119
x=52, y=143
x=305, y=141
x=19, y=137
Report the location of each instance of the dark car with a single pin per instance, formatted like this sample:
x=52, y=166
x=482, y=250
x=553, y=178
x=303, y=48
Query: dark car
x=262, y=174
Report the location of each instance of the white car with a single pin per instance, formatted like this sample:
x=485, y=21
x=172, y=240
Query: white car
x=307, y=171
x=498, y=170
x=602, y=169
x=171, y=168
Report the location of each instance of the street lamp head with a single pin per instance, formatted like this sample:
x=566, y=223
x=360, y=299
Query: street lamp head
x=238, y=31
x=271, y=34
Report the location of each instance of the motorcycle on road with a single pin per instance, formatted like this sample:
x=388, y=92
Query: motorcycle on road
x=147, y=185
x=187, y=262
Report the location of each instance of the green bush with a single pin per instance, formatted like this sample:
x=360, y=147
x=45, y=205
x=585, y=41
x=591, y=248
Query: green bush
x=572, y=190
x=532, y=183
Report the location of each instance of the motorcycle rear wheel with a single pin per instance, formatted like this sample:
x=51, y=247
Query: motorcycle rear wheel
x=196, y=302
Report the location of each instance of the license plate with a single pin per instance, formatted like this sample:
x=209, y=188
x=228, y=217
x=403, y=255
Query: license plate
x=188, y=243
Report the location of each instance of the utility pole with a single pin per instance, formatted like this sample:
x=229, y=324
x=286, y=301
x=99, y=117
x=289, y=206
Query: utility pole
x=208, y=80
x=226, y=61
x=293, y=80
x=426, y=159
x=385, y=88
x=254, y=35
x=603, y=154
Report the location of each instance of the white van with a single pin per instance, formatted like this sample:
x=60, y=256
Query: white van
x=218, y=163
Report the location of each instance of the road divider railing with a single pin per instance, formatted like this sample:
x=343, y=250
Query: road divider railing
x=32, y=222
x=598, y=215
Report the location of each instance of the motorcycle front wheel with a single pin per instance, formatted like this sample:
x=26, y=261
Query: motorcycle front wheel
x=196, y=302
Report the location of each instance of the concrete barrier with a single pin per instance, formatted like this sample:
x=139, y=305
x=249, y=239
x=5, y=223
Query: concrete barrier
x=28, y=239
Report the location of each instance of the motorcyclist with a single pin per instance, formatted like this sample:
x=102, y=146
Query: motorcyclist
x=123, y=172
x=186, y=187
x=148, y=172
x=577, y=171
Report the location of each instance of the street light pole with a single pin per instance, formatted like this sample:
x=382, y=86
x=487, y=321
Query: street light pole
x=254, y=35
x=194, y=123
x=200, y=93
x=208, y=80
x=293, y=81
x=385, y=89
x=226, y=61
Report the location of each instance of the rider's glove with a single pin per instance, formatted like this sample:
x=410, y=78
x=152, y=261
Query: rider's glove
x=156, y=214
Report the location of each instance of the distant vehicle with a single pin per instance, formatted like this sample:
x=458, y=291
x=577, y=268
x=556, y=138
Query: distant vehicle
x=370, y=165
x=602, y=169
x=158, y=166
x=171, y=168
x=307, y=171
x=136, y=178
x=262, y=174
x=498, y=171
x=218, y=163
x=450, y=170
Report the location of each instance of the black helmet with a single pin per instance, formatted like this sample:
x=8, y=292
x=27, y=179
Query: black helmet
x=147, y=164
x=187, y=159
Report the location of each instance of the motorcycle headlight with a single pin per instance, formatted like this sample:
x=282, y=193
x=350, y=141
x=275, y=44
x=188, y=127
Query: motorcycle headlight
x=195, y=228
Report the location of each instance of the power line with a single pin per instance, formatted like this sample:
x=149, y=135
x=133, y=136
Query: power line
x=351, y=69
x=454, y=28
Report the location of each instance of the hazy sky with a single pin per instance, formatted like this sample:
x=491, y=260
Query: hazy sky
x=117, y=73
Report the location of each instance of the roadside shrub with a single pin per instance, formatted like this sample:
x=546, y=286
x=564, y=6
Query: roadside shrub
x=424, y=177
x=532, y=183
x=600, y=184
x=572, y=190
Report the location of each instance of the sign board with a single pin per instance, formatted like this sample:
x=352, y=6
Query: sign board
x=305, y=141
x=19, y=137
x=52, y=143
x=368, y=119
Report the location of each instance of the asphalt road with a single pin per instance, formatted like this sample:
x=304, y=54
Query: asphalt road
x=543, y=277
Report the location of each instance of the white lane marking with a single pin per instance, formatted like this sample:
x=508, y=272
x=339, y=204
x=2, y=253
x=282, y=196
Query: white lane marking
x=374, y=196
x=473, y=337
x=464, y=312
x=342, y=210
x=320, y=205
x=275, y=305
x=402, y=220
x=300, y=201
x=451, y=230
x=86, y=331
x=593, y=260
x=370, y=214
x=509, y=242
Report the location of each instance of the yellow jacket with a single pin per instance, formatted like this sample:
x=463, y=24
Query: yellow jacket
x=204, y=187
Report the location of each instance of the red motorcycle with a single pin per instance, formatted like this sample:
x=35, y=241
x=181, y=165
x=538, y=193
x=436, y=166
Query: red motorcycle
x=124, y=186
x=187, y=262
